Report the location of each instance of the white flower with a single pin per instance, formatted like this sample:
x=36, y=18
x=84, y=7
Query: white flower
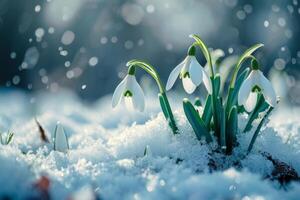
x=131, y=92
x=254, y=83
x=60, y=139
x=192, y=75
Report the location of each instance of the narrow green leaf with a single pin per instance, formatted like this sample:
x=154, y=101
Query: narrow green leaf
x=241, y=78
x=221, y=123
x=254, y=137
x=196, y=122
x=165, y=106
x=233, y=92
x=207, y=112
x=214, y=96
x=217, y=84
x=223, y=130
x=9, y=137
x=261, y=106
x=217, y=119
x=231, y=127
x=147, y=151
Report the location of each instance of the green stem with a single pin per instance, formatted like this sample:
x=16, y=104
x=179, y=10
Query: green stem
x=244, y=57
x=164, y=102
x=207, y=56
x=148, y=68
x=258, y=129
x=166, y=108
x=237, y=69
x=205, y=51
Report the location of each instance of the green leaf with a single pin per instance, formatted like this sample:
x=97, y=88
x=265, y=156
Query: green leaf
x=232, y=125
x=233, y=92
x=165, y=106
x=241, y=78
x=223, y=129
x=254, y=137
x=147, y=151
x=221, y=123
x=214, y=109
x=196, y=122
x=203, y=47
x=9, y=137
x=217, y=84
x=261, y=106
x=207, y=112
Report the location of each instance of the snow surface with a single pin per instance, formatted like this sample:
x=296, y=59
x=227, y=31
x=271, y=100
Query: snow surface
x=107, y=146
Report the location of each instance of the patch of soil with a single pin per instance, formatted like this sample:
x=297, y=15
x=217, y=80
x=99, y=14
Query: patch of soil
x=282, y=172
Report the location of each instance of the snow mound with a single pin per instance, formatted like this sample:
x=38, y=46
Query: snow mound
x=106, y=156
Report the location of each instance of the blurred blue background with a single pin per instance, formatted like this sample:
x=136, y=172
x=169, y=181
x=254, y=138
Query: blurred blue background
x=83, y=45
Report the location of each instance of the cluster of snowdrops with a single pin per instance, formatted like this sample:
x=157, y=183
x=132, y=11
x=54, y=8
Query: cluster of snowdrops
x=217, y=119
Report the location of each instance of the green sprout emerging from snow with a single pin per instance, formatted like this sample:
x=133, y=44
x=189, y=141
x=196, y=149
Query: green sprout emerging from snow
x=7, y=138
x=249, y=91
x=60, y=139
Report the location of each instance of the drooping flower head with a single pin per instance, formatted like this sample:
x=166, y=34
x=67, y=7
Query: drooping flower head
x=254, y=84
x=131, y=92
x=191, y=73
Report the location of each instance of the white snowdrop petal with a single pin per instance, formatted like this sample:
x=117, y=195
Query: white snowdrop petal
x=60, y=139
x=267, y=90
x=118, y=93
x=174, y=75
x=138, y=98
x=245, y=91
x=188, y=85
x=129, y=103
x=207, y=82
x=186, y=65
x=195, y=71
x=251, y=102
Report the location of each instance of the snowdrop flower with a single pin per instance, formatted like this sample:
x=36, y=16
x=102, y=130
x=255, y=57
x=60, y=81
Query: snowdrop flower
x=256, y=83
x=131, y=92
x=191, y=73
x=60, y=139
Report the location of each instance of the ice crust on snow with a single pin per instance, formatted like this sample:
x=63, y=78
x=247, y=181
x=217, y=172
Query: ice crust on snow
x=106, y=155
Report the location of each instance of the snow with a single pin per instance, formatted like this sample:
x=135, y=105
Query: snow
x=106, y=155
